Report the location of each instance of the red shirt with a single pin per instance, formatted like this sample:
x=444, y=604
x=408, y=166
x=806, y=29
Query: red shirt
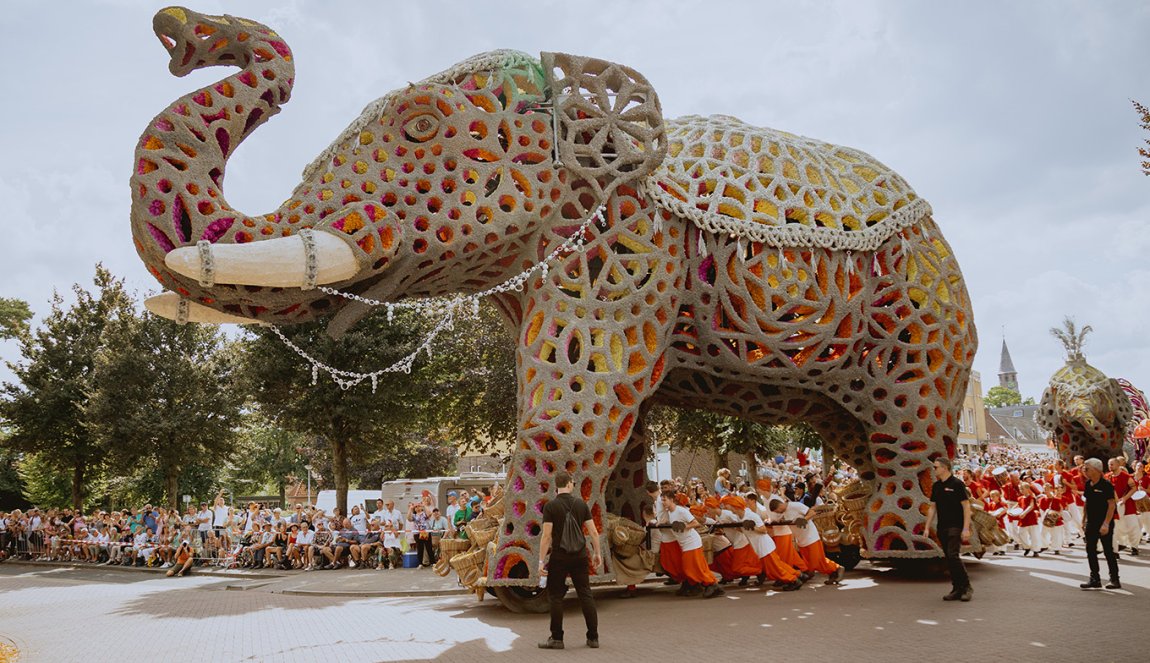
x=1010, y=492
x=992, y=506
x=1046, y=502
x=1122, y=484
x=1025, y=502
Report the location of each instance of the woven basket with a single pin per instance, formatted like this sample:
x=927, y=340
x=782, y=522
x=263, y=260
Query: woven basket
x=484, y=522
x=469, y=566
x=481, y=537
x=495, y=510
x=831, y=537
x=449, y=548
x=854, y=504
x=823, y=516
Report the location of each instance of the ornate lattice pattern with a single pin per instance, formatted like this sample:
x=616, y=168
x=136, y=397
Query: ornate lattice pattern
x=1141, y=412
x=1085, y=412
x=843, y=307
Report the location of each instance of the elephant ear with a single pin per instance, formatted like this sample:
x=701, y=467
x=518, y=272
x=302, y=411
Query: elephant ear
x=1124, y=408
x=608, y=121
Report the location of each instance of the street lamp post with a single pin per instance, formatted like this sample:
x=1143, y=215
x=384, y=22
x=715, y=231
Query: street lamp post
x=308, y=468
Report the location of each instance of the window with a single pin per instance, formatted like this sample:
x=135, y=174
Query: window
x=1016, y=413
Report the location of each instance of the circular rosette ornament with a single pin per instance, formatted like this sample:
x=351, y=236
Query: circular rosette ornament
x=608, y=121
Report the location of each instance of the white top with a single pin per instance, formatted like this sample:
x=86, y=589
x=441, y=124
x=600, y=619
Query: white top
x=303, y=538
x=359, y=522
x=660, y=535
x=394, y=516
x=778, y=530
x=220, y=516
x=720, y=542
x=736, y=535
x=804, y=536
x=688, y=539
x=762, y=544
x=451, y=509
x=205, y=520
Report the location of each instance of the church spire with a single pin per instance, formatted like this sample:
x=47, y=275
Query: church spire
x=1007, y=376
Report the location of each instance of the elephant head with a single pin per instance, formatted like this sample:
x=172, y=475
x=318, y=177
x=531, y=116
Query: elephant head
x=435, y=188
x=1086, y=412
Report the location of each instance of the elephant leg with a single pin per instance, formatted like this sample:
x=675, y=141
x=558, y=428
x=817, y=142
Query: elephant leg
x=626, y=490
x=906, y=433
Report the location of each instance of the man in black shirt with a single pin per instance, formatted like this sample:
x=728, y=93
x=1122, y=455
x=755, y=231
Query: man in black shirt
x=568, y=558
x=950, y=500
x=1101, y=504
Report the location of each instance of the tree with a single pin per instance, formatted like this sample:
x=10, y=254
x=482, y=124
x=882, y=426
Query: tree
x=473, y=395
x=14, y=317
x=733, y=435
x=1071, y=337
x=1144, y=122
x=11, y=484
x=45, y=406
x=1000, y=396
x=349, y=421
x=162, y=398
x=267, y=456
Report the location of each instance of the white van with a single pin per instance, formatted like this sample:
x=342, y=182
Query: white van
x=364, y=498
x=406, y=491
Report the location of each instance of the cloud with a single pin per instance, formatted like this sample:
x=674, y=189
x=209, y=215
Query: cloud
x=1013, y=119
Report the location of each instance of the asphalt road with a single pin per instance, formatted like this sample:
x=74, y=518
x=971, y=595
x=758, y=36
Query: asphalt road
x=1023, y=609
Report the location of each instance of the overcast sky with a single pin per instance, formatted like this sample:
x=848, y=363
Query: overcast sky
x=1012, y=119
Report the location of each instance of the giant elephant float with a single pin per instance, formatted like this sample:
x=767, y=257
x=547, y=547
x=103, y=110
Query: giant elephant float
x=1085, y=412
x=742, y=270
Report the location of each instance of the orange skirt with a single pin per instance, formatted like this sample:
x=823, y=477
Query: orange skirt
x=788, y=554
x=695, y=568
x=671, y=558
x=724, y=564
x=816, y=559
x=774, y=568
x=744, y=564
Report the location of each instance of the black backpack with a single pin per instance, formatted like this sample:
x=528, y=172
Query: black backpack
x=573, y=541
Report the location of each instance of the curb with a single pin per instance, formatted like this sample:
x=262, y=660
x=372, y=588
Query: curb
x=198, y=571
x=415, y=593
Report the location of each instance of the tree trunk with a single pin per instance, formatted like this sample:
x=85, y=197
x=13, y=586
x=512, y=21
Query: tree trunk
x=339, y=469
x=172, y=486
x=78, y=486
x=752, y=469
x=283, y=493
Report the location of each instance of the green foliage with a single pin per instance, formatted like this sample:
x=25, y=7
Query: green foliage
x=45, y=406
x=1000, y=396
x=46, y=486
x=11, y=484
x=351, y=422
x=162, y=401
x=14, y=317
x=266, y=457
x=698, y=429
x=473, y=396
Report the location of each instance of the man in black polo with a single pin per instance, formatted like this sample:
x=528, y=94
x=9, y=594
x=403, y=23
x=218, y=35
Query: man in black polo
x=950, y=500
x=1101, y=504
x=567, y=544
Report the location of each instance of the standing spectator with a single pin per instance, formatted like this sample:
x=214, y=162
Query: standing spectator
x=1101, y=505
x=204, y=521
x=566, y=523
x=948, y=497
x=439, y=528
x=419, y=521
x=452, y=505
x=722, y=482
x=221, y=520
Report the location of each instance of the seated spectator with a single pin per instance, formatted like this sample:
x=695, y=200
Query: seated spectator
x=184, y=558
x=361, y=552
x=321, y=546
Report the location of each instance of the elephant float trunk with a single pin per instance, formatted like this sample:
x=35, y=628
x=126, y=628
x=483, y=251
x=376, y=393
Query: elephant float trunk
x=179, y=165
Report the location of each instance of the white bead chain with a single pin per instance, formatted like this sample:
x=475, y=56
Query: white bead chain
x=447, y=307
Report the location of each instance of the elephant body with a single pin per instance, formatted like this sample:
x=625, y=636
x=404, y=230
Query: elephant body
x=736, y=269
x=1086, y=412
x=1141, y=412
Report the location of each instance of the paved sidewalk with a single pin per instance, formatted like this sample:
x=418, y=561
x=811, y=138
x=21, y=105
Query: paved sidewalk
x=1023, y=610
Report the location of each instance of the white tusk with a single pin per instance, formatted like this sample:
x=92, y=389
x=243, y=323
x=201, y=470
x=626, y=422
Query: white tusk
x=275, y=263
x=167, y=305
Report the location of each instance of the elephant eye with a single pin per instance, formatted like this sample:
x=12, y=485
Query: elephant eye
x=421, y=128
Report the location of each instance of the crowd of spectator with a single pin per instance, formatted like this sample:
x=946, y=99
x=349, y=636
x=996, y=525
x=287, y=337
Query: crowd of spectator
x=256, y=536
